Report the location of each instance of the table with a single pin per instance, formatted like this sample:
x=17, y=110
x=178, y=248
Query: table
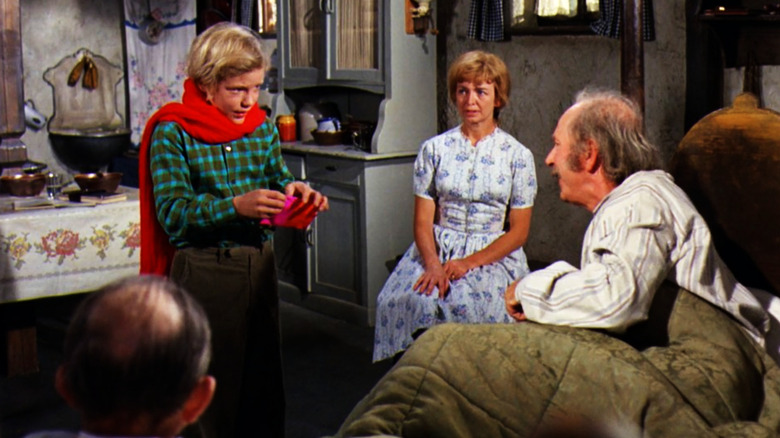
x=58, y=251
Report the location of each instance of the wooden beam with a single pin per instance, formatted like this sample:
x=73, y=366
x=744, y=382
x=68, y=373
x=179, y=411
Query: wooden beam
x=632, y=61
x=11, y=90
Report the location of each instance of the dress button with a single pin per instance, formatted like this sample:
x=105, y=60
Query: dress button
x=228, y=148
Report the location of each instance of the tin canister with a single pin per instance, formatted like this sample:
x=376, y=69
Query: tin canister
x=286, y=126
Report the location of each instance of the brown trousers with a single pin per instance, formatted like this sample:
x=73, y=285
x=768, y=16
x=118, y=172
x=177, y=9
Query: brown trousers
x=237, y=287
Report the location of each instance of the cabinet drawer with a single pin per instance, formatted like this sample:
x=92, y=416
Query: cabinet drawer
x=334, y=170
x=295, y=163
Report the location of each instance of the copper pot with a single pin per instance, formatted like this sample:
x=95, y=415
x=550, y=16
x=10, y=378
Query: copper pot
x=23, y=184
x=359, y=134
x=98, y=181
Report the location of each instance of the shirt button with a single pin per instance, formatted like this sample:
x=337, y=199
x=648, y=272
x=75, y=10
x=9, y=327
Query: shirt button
x=228, y=148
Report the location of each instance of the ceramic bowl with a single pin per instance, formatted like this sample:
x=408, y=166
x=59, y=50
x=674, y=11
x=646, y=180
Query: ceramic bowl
x=23, y=184
x=98, y=181
x=327, y=138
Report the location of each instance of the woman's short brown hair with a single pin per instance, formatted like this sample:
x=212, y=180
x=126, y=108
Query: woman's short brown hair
x=223, y=51
x=480, y=66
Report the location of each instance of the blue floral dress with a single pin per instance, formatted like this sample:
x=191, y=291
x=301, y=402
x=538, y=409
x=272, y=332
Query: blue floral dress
x=472, y=186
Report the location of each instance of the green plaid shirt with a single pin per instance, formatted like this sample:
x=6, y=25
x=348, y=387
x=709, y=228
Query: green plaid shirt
x=194, y=184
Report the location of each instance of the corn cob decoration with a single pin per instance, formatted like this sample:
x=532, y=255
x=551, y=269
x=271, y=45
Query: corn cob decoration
x=75, y=73
x=87, y=66
x=90, y=80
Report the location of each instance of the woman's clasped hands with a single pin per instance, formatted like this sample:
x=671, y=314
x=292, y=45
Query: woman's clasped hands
x=439, y=276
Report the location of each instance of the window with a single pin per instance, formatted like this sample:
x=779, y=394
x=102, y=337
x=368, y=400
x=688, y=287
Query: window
x=553, y=16
x=266, y=18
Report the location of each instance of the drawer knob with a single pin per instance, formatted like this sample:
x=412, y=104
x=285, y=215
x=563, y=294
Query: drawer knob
x=331, y=168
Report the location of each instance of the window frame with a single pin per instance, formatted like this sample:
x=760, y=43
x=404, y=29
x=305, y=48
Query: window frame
x=535, y=25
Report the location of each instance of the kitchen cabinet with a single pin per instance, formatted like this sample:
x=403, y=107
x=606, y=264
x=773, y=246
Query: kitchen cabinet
x=340, y=263
x=357, y=54
x=332, y=41
x=336, y=255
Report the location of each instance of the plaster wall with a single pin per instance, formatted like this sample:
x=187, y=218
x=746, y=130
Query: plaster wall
x=53, y=30
x=546, y=72
x=734, y=79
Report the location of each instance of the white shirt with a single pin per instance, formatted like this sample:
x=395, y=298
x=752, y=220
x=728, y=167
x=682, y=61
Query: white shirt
x=644, y=232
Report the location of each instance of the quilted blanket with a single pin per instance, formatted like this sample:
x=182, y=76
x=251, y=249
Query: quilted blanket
x=689, y=371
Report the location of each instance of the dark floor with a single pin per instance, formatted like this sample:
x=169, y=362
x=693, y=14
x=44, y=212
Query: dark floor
x=327, y=371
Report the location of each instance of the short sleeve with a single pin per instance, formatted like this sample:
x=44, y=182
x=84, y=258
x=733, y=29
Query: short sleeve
x=425, y=171
x=524, y=185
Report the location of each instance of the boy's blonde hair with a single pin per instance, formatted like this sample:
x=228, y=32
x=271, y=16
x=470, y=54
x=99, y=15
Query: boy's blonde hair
x=223, y=51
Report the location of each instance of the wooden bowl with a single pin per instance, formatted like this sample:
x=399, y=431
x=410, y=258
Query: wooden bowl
x=23, y=184
x=98, y=182
x=327, y=138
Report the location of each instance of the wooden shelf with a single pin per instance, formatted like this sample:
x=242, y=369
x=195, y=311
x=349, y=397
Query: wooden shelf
x=718, y=41
x=741, y=37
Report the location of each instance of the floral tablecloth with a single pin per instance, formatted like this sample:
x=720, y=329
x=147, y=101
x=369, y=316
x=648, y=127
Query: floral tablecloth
x=60, y=251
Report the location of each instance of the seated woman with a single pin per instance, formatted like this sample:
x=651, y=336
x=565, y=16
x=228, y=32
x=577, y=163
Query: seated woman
x=474, y=190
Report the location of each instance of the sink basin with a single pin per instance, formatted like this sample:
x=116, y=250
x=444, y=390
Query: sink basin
x=88, y=151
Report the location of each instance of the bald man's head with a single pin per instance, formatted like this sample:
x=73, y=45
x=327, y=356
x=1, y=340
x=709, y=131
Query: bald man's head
x=136, y=347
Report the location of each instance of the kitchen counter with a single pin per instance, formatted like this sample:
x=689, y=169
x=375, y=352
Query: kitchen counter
x=341, y=151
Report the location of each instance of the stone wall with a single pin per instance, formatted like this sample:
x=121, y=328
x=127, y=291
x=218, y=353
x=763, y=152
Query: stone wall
x=52, y=31
x=546, y=72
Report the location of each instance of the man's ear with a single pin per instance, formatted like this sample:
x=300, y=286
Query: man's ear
x=591, y=159
x=199, y=399
x=61, y=385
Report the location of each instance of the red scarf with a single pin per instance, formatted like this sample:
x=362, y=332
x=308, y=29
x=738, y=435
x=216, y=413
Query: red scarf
x=205, y=123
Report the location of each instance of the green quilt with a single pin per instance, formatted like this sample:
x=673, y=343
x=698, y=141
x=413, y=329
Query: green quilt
x=690, y=371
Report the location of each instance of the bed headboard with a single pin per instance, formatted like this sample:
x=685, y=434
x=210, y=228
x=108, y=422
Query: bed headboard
x=729, y=164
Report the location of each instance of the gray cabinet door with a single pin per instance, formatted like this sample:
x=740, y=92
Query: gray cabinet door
x=335, y=251
x=332, y=42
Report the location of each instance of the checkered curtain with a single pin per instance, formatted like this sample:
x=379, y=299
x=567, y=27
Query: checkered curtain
x=610, y=23
x=486, y=20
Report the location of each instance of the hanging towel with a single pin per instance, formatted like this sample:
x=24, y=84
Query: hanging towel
x=611, y=21
x=486, y=20
x=156, y=72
